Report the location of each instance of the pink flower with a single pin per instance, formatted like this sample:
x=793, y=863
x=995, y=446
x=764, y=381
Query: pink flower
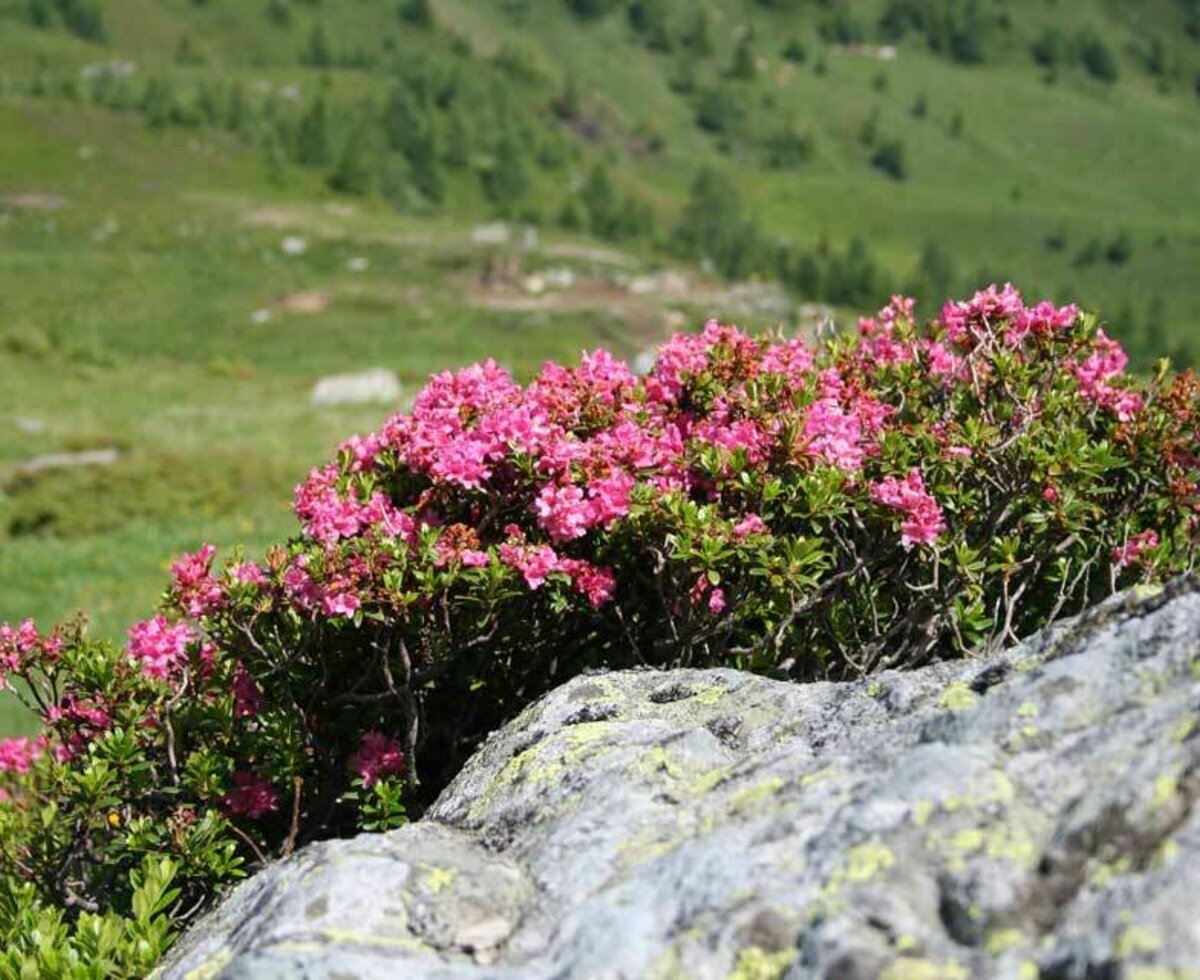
x=299, y=584
x=534, y=562
x=339, y=599
x=750, y=525
x=195, y=590
x=325, y=514
x=159, y=647
x=942, y=363
x=923, y=519
x=1134, y=548
x=247, y=695
x=378, y=756
x=792, y=359
x=248, y=573
x=596, y=583
x=15, y=647
x=834, y=436
x=17, y=755
x=252, y=796
x=716, y=600
x=563, y=512
x=609, y=497
x=1106, y=361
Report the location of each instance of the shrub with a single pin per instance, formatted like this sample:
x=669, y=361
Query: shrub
x=890, y=158
x=888, y=498
x=1098, y=58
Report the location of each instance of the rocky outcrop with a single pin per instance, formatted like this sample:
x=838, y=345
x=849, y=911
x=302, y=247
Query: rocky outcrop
x=1031, y=814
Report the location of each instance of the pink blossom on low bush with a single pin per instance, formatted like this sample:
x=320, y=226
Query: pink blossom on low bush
x=886, y=497
x=252, y=797
x=159, y=646
x=923, y=518
x=17, y=755
x=378, y=756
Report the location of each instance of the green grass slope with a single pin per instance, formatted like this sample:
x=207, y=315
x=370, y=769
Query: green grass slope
x=155, y=154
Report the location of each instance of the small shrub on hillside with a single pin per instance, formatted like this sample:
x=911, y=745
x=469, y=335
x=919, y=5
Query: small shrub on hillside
x=885, y=499
x=890, y=158
x=1098, y=58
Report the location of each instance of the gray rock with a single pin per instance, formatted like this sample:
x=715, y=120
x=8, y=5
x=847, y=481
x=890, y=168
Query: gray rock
x=59, y=461
x=377, y=385
x=1029, y=814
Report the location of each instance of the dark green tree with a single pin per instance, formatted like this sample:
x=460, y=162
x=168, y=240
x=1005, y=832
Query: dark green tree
x=419, y=13
x=317, y=51
x=312, y=137
x=714, y=227
x=352, y=172
x=1098, y=58
x=507, y=179
x=410, y=128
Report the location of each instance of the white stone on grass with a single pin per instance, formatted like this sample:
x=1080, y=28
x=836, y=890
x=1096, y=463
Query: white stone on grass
x=376, y=386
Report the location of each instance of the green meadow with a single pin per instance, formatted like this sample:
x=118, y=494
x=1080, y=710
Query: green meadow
x=279, y=191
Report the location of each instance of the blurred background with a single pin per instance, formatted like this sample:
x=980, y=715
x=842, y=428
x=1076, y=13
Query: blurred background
x=233, y=232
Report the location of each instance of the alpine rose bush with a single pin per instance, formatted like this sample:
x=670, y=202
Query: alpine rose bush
x=878, y=500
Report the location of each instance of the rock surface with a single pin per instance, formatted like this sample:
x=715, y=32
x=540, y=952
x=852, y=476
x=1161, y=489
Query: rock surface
x=1030, y=814
x=378, y=385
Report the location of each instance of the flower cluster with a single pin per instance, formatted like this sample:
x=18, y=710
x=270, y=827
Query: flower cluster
x=378, y=756
x=923, y=518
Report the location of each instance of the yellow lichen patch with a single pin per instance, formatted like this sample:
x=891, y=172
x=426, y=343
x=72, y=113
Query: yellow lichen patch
x=1028, y=970
x=706, y=781
x=667, y=967
x=644, y=846
x=658, y=760
x=866, y=861
x=817, y=776
x=1137, y=940
x=967, y=841
x=754, y=794
x=1165, y=856
x=1160, y=973
x=922, y=812
x=754, y=963
x=996, y=843
x=958, y=697
x=439, y=879
x=906, y=943
x=1106, y=871
x=1002, y=940
x=344, y=937
x=531, y=767
x=1003, y=790
x=213, y=967
x=1184, y=730
x=911, y=968
x=1166, y=788
x=709, y=693
x=1028, y=710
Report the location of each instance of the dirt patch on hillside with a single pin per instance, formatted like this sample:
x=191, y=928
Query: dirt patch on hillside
x=307, y=302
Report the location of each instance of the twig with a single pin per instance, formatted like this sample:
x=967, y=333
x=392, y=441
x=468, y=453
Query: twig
x=289, y=844
x=249, y=841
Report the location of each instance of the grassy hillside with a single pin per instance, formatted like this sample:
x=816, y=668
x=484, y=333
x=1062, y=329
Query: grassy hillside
x=156, y=154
